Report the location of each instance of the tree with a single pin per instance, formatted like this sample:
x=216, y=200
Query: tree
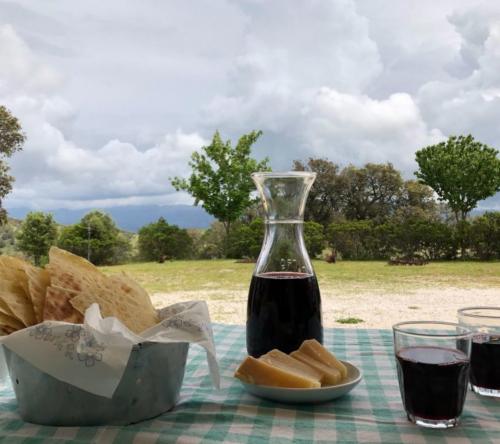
x=371, y=192
x=461, y=171
x=97, y=238
x=417, y=201
x=485, y=235
x=221, y=180
x=325, y=197
x=37, y=234
x=159, y=240
x=245, y=239
x=314, y=238
x=12, y=139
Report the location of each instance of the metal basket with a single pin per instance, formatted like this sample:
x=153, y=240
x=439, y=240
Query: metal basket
x=149, y=387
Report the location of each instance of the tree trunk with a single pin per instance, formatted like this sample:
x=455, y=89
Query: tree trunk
x=227, y=227
x=463, y=218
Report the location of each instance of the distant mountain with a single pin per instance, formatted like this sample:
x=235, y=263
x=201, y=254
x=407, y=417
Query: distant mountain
x=131, y=218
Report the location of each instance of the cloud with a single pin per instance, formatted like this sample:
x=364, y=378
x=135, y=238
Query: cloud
x=54, y=171
x=115, y=97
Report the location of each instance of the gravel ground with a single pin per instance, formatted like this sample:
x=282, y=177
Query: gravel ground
x=377, y=309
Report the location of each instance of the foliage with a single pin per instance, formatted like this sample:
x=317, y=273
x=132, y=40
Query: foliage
x=211, y=244
x=485, y=236
x=7, y=238
x=12, y=139
x=325, y=197
x=349, y=320
x=245, y=240
x=415, y=237
x=37, y=234
x=96, y=236
x=461, y=171
x=220, y=177
x=354, y=239
x=160, y=240
x=371, y=192
x=314, y=238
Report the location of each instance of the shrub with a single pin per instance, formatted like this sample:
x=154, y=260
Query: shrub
x=160, y=240
x=314, y=238
x=106, y=244
x=485, y=236
x=245, y=240
x=354, y=239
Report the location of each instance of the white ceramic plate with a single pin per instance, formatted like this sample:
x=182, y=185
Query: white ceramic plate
x=305, y=395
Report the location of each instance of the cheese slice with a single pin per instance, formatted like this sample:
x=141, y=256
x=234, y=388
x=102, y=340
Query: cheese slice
x=329, y=375
x=315, y=350
x=255, y=371
x=285, y=362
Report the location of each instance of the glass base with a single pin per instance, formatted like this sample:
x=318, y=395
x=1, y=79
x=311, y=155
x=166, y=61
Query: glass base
x=433, y=423
x=483, y=391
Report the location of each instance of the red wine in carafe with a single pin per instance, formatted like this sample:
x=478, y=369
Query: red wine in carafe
x=284, y=309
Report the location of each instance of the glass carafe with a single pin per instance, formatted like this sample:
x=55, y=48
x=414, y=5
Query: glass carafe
x=284, y=303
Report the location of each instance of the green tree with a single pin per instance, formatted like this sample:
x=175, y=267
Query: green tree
x=485, y=235
x=97, y=238
x=12, y=139
x=461, y=171
x=314, y=238
x=160, y=240
x=245, y=239
x=371, y=192
x=354, y=239
x=37, y=234
x=326, y=195
x=221, y=180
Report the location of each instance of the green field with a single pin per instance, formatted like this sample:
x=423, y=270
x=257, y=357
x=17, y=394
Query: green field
x=353, y=276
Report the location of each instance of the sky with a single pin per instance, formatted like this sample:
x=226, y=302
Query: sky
x=115, y=96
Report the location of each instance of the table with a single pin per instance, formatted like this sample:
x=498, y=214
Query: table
x=372, y=412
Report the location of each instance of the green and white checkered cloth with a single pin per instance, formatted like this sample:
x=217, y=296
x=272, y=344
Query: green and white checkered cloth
x=372, y=412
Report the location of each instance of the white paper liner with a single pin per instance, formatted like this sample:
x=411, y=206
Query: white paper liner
x=93, y=356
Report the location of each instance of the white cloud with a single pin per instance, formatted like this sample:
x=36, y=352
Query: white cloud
x=114, y=97
x=53, y=171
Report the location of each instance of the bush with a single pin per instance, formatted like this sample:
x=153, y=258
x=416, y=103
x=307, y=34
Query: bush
x=245, y=240
x=484, y=236
x=354, y=239
x=159, y=241
x=314, y=238
x=107, y=245
x=416, y=237
x=210, y=245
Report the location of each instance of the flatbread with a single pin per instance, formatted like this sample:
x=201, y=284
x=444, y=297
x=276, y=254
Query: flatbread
x=73, y=272
x=13, y=269
x=58, y=308
x=126, y=307
x=38, y=282
x=127, y=285
x=34, y=280
x=10, y=322
x=14, y=296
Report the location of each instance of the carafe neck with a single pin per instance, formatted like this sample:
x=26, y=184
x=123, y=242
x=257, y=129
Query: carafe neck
x=283, y=249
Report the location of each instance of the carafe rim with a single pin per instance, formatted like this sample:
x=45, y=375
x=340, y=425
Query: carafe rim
x=283, y=174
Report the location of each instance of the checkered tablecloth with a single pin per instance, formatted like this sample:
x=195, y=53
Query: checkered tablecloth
x=372, y=412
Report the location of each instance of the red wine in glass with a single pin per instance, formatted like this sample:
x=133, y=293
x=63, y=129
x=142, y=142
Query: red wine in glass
x=485, y=361
x=284, y=309
x=433, y=381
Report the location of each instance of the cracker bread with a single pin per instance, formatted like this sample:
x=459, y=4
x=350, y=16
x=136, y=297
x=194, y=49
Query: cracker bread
x=58, y=308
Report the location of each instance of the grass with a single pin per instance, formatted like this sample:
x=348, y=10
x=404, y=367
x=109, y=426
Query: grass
x=355, y=276
x=349, y=320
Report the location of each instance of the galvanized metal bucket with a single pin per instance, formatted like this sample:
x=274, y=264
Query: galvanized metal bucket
x=149, y=387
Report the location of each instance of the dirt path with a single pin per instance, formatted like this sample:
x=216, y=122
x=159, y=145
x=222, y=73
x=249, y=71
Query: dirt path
x=377, y=309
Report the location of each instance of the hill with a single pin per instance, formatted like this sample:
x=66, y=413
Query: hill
x=131, y=218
